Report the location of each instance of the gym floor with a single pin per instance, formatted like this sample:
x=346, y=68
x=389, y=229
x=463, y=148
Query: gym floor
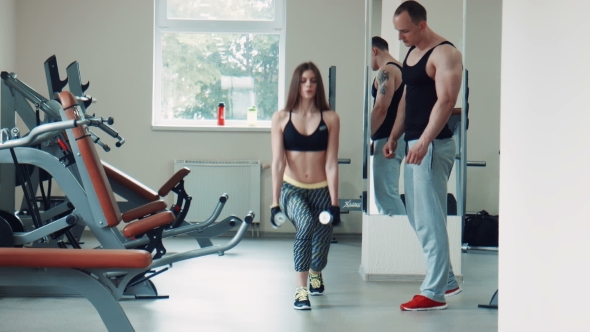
x=251, y=288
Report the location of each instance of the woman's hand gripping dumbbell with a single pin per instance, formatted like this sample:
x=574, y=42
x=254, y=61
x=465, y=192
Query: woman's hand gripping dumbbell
x=332, y=216
x=277, y=217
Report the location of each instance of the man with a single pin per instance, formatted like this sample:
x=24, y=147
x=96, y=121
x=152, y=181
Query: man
x=432, y=72
x=387, y=89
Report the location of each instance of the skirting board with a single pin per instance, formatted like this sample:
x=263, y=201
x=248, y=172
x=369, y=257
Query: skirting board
x=397, y=277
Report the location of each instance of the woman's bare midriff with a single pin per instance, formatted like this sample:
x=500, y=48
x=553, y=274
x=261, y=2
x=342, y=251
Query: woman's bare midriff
x=306, y=167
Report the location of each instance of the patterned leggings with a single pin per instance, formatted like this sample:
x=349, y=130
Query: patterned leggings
x=303, y=203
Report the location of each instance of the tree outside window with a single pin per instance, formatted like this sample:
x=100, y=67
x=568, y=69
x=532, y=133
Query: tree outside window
x=216, y=51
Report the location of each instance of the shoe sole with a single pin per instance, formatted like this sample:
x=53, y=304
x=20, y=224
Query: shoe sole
x=316, y=294
x=458, y=291
x=442, y=307
x=302, y=308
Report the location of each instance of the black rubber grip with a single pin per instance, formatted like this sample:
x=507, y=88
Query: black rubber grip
x=108, y=130
x=223, y=198
x=71, y=219
x=249, y=217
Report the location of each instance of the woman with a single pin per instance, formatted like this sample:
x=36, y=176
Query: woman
x=305, y=175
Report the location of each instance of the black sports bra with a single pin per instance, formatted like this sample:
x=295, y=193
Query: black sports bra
x=294, y=141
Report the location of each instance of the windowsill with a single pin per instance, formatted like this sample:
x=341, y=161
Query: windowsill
x=229, y=127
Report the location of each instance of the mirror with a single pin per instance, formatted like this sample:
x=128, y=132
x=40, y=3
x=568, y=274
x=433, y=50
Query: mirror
x=446, y=19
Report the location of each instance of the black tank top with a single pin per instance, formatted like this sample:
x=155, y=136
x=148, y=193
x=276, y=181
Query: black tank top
x=385, y=129
x=294, y=141
x=420, y=97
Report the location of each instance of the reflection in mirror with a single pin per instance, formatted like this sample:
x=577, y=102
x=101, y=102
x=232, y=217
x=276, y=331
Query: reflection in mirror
x=386, y=90
x=386, y=182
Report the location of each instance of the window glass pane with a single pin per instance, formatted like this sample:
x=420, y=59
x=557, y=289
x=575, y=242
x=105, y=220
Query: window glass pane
x=199, y=70
x=243, y=10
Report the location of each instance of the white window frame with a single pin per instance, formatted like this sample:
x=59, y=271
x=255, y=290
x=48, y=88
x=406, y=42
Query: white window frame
x=163, y=24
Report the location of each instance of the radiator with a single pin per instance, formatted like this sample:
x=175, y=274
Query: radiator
x=208, y=180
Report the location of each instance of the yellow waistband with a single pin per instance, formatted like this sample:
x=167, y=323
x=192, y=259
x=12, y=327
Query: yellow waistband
x=305, y=185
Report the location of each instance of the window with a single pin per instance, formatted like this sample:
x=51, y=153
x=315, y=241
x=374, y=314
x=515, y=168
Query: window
x=212, y=51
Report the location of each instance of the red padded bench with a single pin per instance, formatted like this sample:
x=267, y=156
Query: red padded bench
x=152, y=220
x=72, y=268
x=141, y=189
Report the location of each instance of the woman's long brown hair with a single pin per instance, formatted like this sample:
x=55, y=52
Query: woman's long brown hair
x=320, y=94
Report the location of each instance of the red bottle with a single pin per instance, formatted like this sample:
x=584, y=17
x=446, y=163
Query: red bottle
x=221, y=114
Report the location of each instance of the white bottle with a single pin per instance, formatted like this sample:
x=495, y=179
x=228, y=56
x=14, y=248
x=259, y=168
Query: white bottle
x=252, y=116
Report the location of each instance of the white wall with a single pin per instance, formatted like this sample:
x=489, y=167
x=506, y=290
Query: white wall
x=114, y=47
x=444, y=18
x=482, y=58
x=544, y=177
x=376, y=17
x=387, y=31
x=7, y=35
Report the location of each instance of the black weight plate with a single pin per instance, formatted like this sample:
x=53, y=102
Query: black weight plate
x=13, y=221
x=6, y=236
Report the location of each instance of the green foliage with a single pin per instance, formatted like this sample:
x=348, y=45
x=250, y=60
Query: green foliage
x=193, y=63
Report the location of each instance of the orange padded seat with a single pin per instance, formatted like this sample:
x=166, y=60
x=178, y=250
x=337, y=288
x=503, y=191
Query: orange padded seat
x=74, y=258
x=98, y=177
x=149, y=223
x=144, y=210
x=128, y=182
x=173, y=181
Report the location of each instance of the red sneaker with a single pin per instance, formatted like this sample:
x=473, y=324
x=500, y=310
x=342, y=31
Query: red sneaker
x=452, y=292
x=422, y=303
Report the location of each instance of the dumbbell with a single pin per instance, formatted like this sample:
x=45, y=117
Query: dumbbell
x=326, y=217
x=279, y=218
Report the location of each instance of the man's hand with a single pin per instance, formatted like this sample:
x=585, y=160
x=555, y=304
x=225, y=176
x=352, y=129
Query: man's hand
x=417, y=153
x=389, y=148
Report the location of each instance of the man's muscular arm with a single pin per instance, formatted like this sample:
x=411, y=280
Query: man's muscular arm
x=397, y=130
x=447, y=79
x=388, y=80
x=448, y=75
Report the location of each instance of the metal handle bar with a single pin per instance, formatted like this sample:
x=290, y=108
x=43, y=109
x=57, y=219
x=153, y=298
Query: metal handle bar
x=36, y=132
x=30, y=94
